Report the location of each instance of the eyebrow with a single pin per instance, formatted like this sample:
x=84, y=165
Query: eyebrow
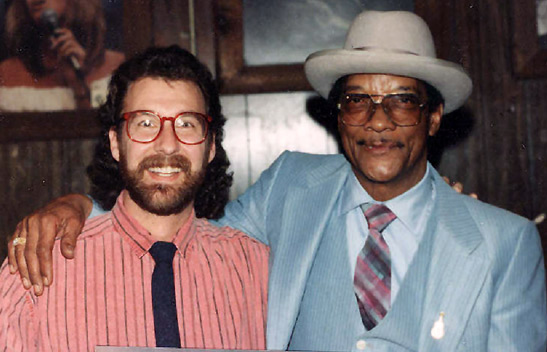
x=400, y=88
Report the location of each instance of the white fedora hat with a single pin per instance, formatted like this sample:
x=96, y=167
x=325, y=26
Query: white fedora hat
x=394, y=42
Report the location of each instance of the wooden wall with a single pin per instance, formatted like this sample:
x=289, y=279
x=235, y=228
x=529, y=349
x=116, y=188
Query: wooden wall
x=32, y=173
x=496, y=145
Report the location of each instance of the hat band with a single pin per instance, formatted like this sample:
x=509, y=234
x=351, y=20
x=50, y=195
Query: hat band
x=374, y=48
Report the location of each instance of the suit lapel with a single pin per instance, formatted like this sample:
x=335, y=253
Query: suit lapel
x=305, y=215
x=446, y=275
x=457, y=270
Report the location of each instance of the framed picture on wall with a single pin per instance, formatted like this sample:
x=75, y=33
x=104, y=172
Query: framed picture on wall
x=529, y=38
x=57, y=59
x=262, y=44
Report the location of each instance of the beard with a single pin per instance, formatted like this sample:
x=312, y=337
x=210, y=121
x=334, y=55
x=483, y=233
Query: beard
x=158, y=198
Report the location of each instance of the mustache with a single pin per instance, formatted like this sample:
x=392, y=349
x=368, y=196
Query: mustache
x=372, y=142
x=176, y=161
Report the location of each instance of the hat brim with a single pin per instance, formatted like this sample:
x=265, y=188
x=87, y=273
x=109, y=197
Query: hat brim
x=323, y=68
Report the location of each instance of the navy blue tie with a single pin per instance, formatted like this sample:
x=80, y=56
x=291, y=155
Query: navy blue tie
x=164, y=303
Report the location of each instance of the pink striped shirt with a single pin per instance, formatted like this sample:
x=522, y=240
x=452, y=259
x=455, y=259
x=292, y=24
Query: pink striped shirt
x=103, y=296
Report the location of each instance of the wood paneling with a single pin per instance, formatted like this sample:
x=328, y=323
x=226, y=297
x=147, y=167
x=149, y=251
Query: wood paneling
x=498, y=158
x=33, y=173
x=501, y=154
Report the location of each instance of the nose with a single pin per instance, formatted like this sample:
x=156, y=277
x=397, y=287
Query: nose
x=379, y=119
x=167, y=142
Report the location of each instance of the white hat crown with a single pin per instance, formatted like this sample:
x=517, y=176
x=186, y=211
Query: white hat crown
x=397, y=31
x=393, y=42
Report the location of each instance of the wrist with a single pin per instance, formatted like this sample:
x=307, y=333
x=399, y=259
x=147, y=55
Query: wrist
x=80, y=202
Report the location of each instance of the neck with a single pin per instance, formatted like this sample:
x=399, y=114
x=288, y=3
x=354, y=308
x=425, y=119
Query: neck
x=162, y=228
x=384, y=191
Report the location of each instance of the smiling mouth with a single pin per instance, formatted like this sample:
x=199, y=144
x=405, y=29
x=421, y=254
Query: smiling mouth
x=165, y=171
x=380, y=144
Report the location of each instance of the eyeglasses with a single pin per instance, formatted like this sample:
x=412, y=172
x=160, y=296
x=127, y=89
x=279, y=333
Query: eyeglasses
x=145, y=126
x=404, y=110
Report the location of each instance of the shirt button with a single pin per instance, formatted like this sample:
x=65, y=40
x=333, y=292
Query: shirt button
x=361, y=344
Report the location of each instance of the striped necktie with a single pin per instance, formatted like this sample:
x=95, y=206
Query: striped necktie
x=164, y=304
x=372, y=280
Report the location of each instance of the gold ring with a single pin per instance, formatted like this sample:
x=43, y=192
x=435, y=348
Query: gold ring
x=19, y=240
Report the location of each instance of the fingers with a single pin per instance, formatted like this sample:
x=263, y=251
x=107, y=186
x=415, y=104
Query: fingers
x=20, y=256
x=62, y=217
x=62, y=35
x=66, y=45
x=33, y=267
x=71, y=230
x=58, y=41
x=67, y=246
x=68, y=49
x=457, y=186
x=12, y=261
x=46, y=241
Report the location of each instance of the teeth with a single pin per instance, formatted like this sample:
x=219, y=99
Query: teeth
x=165, y=170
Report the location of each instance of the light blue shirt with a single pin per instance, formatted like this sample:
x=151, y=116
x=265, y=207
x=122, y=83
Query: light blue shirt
x=403, y=235
x=96, y=210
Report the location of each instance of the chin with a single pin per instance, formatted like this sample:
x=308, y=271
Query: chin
x=164, y=202
x=380, y=179
x=383, y=174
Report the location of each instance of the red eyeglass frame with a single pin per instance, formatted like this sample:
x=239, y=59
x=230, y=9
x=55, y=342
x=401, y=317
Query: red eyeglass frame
x=127, y=115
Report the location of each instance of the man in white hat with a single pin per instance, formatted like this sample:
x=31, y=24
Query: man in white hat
x=371, y=249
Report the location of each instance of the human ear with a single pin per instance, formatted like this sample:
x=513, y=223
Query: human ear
x=435, y=118
x=212, y=148
x=114, y=143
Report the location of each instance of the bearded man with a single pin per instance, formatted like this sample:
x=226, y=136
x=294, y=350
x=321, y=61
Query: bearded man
x=168, y=279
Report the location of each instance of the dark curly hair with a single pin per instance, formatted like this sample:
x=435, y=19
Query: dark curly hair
x=172, y=64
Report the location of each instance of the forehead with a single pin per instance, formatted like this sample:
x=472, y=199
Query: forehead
x=158, y=94
x=382, y=84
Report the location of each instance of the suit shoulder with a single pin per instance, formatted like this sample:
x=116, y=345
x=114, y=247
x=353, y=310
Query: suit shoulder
x=494, y=216
x=302, y=164
x=499, y=230
x=489, y=218
x=504, y=233
x=310, y=159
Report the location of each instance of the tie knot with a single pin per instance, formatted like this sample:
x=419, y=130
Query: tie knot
x=378, y=216
x=163, y=252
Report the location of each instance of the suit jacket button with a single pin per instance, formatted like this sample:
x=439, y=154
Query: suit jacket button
x=361, y=344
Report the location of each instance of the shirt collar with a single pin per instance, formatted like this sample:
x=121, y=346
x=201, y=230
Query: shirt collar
x=410, y=205
x=407, y=206
x=139, y=238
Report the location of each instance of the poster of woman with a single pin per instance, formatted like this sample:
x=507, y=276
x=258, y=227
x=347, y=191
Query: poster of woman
x=56, y=55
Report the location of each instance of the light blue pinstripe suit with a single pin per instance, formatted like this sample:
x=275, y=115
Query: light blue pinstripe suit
x=480, y=265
